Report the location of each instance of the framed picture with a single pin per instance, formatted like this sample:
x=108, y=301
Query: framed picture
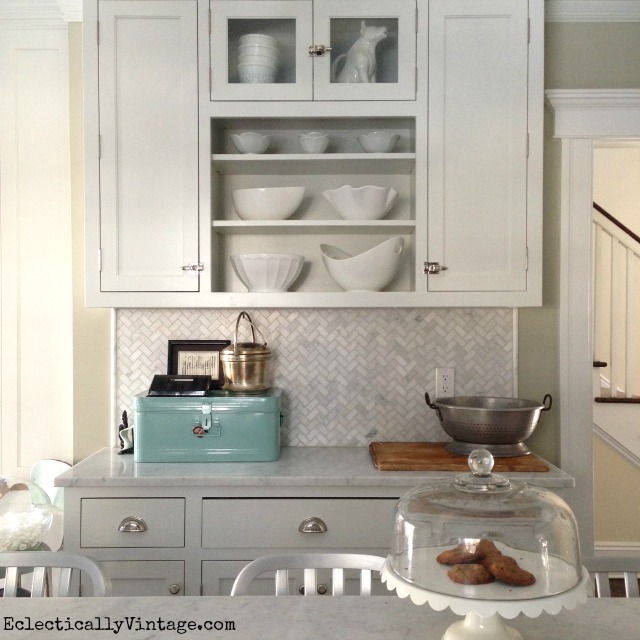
x=197, y=357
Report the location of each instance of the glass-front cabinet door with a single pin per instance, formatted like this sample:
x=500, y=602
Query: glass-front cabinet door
x=312, y=50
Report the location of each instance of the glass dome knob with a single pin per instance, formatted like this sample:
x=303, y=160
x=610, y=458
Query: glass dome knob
x=481, y=462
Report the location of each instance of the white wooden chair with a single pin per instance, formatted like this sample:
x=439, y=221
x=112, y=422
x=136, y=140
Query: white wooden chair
x=310, y=563
x=603, y=569
x=41, y=565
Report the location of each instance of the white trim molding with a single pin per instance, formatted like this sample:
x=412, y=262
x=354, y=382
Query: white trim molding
x=581, y=117
x=592, y=10
x=594, y=113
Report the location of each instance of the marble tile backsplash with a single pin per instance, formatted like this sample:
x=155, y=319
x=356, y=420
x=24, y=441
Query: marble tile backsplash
x=348, y=376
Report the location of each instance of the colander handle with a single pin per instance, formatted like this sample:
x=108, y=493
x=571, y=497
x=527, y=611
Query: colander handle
x=244, y=314
x=546, y=399
x=433, y=406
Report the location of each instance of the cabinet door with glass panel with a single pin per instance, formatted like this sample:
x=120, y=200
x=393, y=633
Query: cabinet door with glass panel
x=312, y=50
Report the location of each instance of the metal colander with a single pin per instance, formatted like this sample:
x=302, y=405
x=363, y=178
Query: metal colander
x=497, y=424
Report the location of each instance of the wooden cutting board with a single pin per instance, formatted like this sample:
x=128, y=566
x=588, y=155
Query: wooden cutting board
x=433, y=456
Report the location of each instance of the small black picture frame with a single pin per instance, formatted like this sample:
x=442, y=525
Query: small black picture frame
x=197, y=357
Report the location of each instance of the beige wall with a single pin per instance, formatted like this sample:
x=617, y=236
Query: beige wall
x=91, y=327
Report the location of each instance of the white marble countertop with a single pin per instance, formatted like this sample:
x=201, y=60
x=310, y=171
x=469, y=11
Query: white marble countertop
x=310, y=466
x=289, y=618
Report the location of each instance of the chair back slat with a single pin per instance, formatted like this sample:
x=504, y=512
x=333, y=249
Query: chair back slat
x=10, y=582
x=631, y=584
x=310, y=563
x=39, y=582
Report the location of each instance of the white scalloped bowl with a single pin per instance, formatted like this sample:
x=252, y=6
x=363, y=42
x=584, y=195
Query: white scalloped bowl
x=361, y=203
x=251, y=142
x=378, y=141
x=372, y=270
x=267, y=272
x=267, y=203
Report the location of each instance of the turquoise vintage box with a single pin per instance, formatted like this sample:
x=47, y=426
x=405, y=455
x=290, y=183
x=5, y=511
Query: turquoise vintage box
x=222, y=426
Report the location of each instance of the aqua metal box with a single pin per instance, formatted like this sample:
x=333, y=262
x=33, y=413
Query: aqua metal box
x=222, y=426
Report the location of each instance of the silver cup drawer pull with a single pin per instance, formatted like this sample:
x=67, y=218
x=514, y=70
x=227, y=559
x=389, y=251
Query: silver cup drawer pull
x=312, y=525
x=133, y=524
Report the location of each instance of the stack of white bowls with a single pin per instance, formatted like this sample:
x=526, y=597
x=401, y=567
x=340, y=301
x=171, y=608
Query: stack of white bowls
x=257, y=58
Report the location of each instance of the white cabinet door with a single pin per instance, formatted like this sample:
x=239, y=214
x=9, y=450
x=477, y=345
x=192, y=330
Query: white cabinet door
x=478, y=98
x=148, y=104
x=299, y=50
x=373, y=50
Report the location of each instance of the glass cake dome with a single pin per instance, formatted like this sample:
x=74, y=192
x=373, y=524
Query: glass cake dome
x=485, y=537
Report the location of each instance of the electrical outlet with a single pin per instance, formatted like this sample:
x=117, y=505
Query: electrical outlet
x=444, y=382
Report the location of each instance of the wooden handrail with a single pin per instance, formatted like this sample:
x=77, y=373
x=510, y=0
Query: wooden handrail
x=617, y=222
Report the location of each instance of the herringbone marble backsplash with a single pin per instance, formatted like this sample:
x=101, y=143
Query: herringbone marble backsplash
x=348, y=376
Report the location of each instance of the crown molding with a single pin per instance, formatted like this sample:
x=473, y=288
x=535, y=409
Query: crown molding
x=39, y=14
x=595, y=113
x=592, y=10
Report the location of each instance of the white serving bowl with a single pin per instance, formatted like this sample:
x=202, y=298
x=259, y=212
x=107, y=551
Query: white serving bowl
x=361, y=203
x=267, y=272
x=378, y=141
x=372, y=270
x=251, y=142
x=257, y=73
x=258, y=58
x=267, y=203
x=314, y=142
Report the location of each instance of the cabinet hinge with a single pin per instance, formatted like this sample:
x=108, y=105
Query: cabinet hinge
x=416, y=19
x=526, y=259
x=99, y=147
x=98, y=32
x=99, y=259
x=209, y=21
x=527, y=144
x=528, y=30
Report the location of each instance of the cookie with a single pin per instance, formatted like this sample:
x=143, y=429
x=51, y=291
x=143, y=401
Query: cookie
x=507, y=570
x=487, y=549
x=470, y=574
x=459, y=555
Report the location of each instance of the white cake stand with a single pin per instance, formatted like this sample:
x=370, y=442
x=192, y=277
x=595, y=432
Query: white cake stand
x=484, y=618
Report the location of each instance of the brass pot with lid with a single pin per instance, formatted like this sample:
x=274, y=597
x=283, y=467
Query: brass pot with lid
x=245, y=365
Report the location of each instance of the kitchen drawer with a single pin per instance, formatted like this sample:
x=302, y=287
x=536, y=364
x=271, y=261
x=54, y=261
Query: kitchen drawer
x=253, y=523
x=133, y=522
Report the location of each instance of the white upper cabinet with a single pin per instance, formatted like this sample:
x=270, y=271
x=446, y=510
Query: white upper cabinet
x=312, y=50
x=173, y=84
x=143, y=217
x=482, y=217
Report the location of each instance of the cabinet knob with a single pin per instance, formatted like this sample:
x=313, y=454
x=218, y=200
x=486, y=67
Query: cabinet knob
x=316, y=50
x=312, y=525
x=132, y=524
x=174, y=589
x=321, y=590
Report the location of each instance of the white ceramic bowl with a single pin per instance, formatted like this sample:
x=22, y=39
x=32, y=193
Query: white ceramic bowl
x=257, y=73
x=267, y=272
x=314, y=142
x=251, y=142
x=372, y=270
x=378, y=141
x=361, y=203
x=258, y=50
x=267, y=203
x=258, y=38
x=258, y=58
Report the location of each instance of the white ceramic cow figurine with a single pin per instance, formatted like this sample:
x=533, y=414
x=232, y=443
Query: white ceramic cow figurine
x=360, y=61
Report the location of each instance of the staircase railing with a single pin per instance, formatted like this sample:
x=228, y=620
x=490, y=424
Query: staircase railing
x=616, y=318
